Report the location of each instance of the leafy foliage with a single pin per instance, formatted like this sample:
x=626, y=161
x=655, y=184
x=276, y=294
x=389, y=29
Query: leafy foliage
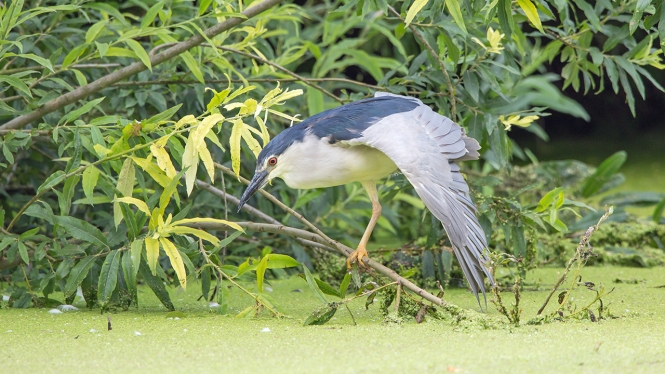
x=110, y=192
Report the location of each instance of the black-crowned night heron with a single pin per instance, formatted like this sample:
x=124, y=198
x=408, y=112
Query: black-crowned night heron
x=368, y=140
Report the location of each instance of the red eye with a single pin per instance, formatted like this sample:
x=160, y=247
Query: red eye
x=272, y=161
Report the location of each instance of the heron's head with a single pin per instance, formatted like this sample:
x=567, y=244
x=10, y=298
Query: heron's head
x=273, y=161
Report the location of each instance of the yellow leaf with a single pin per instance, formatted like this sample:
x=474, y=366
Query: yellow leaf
x=517, y=120
x=265, y=136
x=190, y=157
x=154, y=219
x=290, y=118
x=251, y=142
x=248, y=107
x=101, y=150
x=152, y=253
x=162, y=157
x=125, y=186
x=184, y=230
x=155, y=172
x=176, y=260
x=283, y=97
x=209, y=220
x=272, y=93
x=414, y=9
x=234, y=143
x=186, y=120
x=134, y=201
x=531, y=13
x=209, y=164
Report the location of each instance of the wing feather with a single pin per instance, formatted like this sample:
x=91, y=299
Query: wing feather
x=425, y=145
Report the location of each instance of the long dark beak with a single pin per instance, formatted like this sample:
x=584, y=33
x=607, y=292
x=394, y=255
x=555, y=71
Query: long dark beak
x=259, y=180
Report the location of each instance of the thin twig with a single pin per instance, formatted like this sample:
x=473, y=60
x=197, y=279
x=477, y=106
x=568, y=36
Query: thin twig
x=451, y=89
x=75, y=66
x=307, y=81
x=579, y=256
x=257, y=213
x=339, y=246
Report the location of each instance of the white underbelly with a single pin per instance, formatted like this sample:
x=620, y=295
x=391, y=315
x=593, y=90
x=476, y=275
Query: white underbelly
x=326, y=165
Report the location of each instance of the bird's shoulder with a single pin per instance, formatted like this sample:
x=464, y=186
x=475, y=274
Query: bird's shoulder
x=349, y=121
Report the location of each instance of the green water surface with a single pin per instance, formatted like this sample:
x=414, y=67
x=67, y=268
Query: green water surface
x=148, y=341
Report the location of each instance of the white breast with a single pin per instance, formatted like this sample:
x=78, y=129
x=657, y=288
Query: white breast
x=316, y=163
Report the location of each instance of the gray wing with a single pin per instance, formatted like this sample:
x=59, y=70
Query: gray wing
x=425, y=145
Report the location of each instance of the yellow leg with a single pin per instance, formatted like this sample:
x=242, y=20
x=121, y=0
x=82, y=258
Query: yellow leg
x=361, y=251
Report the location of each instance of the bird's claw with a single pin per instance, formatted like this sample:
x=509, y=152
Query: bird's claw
x=357, y=256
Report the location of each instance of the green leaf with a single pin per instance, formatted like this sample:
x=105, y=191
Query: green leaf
x=205, y=282
x=590, y=14
x=28, y=234
x=103, y=7
x=156, y=285
x=313, y=285
x=505, y=15
x=261, y=272
x=125, y=185
x=75, y=114
x=547, y=200
x=531, y=13
x=129, y=273
x=102, y=48
x=46, y=63
x=159, y=118
x=108, y=277
x=657, y=212
x=90, y=177
x=73, y=55
x=640, y=7
x=151, y=14
x=135, y=249
x=226, y=241
x=78, y=274
x=140, y=52
x=607, y=168
x=314, y=101
x=344, y=286
x=192, y=65
x=203, y=6
x=413, y=10
x=23, y=251
x=400, y=30
x=279, y=261
x=94, y=30
x=82, y=230
x=16, y=83
x=456, y=12
x=321, y=316
x=65, y=199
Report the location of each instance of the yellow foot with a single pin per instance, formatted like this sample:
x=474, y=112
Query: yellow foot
x=357, y=256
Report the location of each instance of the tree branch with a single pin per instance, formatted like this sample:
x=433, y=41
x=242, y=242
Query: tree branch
x=285, y=70
x=451, y=89
x=257, y=213
x=136, y=67
x=319, y=237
